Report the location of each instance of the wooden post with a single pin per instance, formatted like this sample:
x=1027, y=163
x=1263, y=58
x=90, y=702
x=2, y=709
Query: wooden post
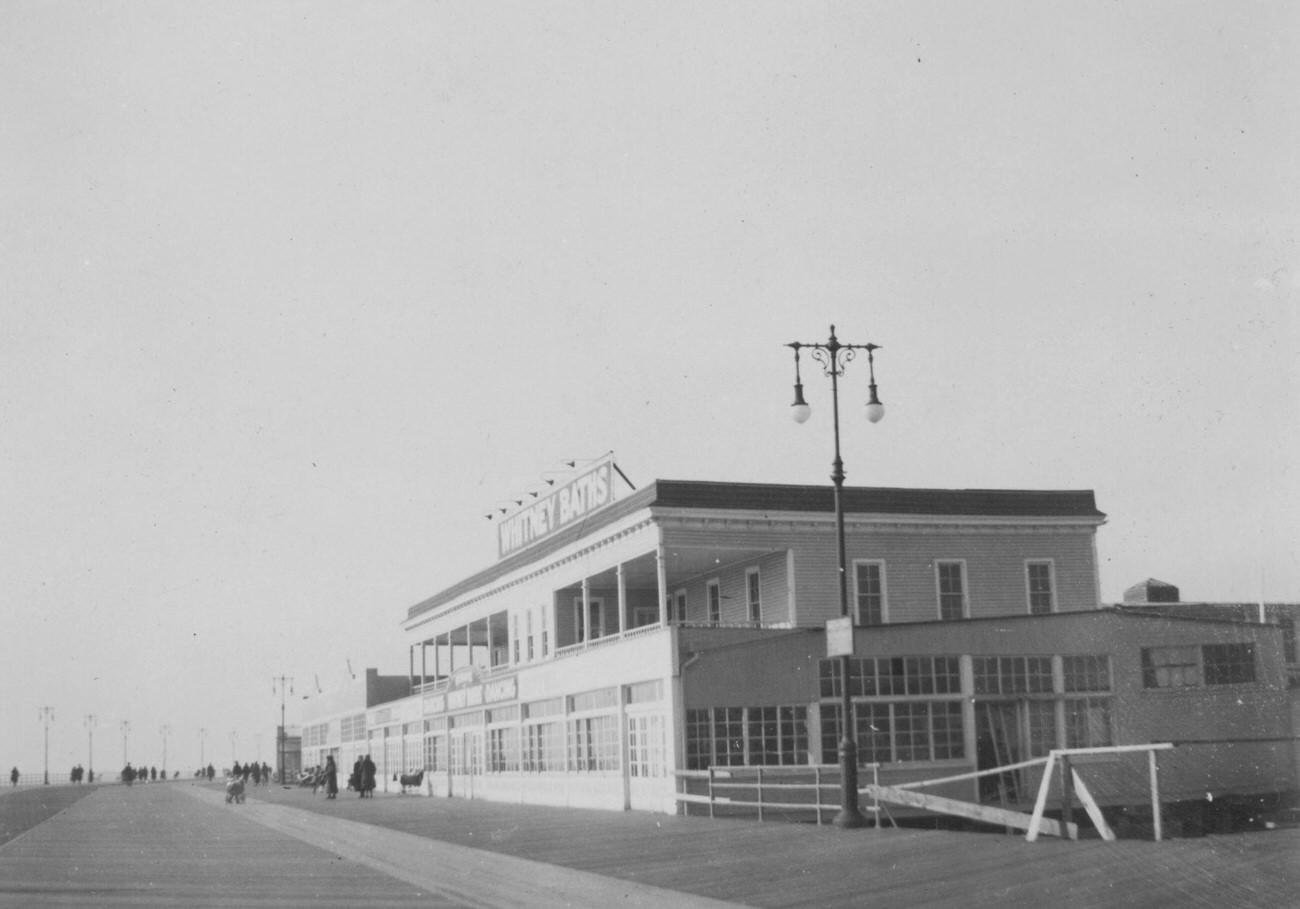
x=1067, y=793
x=817, y=792
x=1155, y=794
x=710, y=791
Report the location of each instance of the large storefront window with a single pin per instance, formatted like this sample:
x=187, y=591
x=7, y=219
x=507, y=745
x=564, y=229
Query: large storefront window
x=895, y=732
x=746, y=736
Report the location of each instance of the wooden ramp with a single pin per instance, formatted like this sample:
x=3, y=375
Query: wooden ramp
x=986, y=814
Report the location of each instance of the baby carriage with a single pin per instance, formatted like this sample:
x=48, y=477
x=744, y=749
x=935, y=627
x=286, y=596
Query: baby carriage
x=235, y=790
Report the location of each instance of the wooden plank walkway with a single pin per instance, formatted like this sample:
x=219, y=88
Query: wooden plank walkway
x=478, y=847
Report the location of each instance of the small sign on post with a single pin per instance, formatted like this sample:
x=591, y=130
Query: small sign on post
x=839, y=636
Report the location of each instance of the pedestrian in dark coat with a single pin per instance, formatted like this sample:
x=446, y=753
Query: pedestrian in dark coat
x=13, y=777
x=368, y=777
x=354, y=781
x=331, y=778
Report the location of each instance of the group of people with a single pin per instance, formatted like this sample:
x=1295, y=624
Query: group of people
x=143, y=774
x=362, y=780
x=260, y=773
x=79, y=774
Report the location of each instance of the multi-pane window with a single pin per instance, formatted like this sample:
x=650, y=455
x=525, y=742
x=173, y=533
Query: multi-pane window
x=901, y=731
x=736, y=736
x=1039, y=579
x=1013, y=675
x=1086, y=672
x=777, y=735
x=503, y=750
x=952, y=590
x=870, y=577
x=528, y=619
x=1229, y=664
x=679, y=605
x=753, y=595
x=1087, y=723
x=593, y=744
x=543, y=747
x=714, y=594
x=728, y=736
x=1171, y=667
x=645, y=745
x=887, y=676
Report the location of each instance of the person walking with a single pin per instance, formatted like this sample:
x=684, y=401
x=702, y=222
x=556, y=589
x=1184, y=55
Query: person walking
x=331, y=778
x=13, y=777
x=368, y=778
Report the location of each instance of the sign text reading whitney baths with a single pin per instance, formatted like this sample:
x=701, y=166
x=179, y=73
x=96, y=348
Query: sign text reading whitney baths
x=589, y=490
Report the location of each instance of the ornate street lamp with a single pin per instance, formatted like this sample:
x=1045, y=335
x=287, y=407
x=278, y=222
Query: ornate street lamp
x=834, y=356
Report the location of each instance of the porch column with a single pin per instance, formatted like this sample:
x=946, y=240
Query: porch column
x=661, y=578
x=586, y=612
x=622, y=599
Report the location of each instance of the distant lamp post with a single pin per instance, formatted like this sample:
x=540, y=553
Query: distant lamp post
x=834, y=357
x=47, y=714
x=91, y=720
x=126, y=729
x=164, y=729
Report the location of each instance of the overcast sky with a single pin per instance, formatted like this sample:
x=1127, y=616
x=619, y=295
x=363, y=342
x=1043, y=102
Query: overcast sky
x=293, y=293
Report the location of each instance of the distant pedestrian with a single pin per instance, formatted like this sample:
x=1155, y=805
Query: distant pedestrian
x=212, y=772
x=153, y=774
x=257, y=774
x=331, y=778
x=368, y=778
x=13, y=777
x=266, y=773
x=354, y=781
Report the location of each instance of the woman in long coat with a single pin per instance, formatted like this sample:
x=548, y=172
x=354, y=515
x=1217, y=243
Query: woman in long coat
x=331, y=777
x=368, y=777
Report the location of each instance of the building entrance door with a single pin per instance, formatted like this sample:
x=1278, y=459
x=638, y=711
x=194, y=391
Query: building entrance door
x=466, y=763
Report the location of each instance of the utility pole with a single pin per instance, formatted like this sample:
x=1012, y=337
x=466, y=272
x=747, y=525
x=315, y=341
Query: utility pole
x=164, y=729
x=281, y=682
x=126, y=728
x=47, y=714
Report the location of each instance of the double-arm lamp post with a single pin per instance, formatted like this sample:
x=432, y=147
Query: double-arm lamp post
x=834, y=357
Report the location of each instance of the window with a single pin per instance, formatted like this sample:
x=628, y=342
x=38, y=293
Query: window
x=1038, y=575
x=952, y=590
x=528, y=618
x=714, y=594
x=1171, y=667
x=902, y=731
x=644, y=615
x=753, y=595
x=870, y=585
x=679, y=601
x=1013, y=675
x=732, y=736
x=1229, y=664
x=888, y=676
x=503, y=750
x=514, y=635
x=593, y=744
x=645, y=745
x=1087, y=723
x=1089, y=672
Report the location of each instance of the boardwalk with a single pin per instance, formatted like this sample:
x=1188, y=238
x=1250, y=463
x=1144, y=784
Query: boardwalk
x=179, y=845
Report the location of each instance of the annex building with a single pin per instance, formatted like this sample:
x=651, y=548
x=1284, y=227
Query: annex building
x=618, y=640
